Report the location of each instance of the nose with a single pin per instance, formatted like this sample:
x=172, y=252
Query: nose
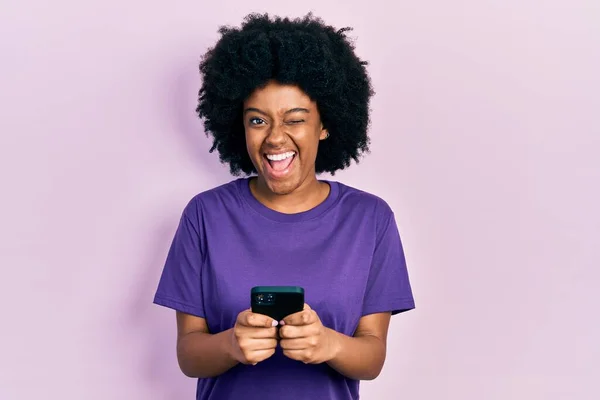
x=277, y=135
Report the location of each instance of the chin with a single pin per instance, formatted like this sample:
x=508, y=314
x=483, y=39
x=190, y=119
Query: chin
x=283, y=187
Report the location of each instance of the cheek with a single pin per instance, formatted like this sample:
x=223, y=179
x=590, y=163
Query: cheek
x=252, y=145
x=310, y=144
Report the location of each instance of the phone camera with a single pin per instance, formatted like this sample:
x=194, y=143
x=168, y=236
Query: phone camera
x=265, y=298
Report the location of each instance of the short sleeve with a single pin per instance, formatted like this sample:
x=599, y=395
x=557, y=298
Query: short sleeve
x=180, y=286
x=388, y=285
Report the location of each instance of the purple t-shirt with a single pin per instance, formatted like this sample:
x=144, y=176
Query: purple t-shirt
x=346, y=253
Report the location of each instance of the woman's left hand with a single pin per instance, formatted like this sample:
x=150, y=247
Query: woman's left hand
x=304, y=338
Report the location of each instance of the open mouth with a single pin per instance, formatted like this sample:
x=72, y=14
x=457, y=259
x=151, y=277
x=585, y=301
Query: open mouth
x=280, y=163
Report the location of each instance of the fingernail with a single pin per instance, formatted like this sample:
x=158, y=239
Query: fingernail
x=282, y=323
x=274, y=323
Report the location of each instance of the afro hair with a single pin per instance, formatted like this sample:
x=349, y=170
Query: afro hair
x=304, y=52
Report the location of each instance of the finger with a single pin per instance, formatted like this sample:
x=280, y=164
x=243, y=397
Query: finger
x=294, y=331
x=294, y=344
x=305, y=307
x=305, y=317
x=257, y=320
x=299, y=355
x=242, y=317
x=260, y=355
x=261, y=344
x=261, y=333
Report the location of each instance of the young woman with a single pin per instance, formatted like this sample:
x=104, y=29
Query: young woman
x=284, y=100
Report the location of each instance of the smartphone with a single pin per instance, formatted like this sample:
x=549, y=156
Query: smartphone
x=277, y=301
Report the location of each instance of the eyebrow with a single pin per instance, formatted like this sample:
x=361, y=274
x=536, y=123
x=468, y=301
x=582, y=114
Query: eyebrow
x=290, y=111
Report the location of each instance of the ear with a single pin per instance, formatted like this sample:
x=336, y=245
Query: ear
x=324, y=134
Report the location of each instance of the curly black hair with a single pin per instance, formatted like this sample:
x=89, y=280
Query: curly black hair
x=305, y=52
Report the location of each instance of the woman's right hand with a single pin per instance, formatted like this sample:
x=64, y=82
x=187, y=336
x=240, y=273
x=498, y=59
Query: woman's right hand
x=254, y=337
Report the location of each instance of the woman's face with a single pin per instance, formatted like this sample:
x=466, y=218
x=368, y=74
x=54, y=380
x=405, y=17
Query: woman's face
x=283, y=129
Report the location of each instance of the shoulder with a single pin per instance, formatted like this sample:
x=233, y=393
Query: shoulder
x=355, y=199
x=225, y=196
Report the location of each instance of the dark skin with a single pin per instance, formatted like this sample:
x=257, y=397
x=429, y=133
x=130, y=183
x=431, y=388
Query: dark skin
x=281, y=120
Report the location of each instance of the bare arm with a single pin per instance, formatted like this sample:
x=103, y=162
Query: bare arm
x=205, y=355
x=199, y=353
x=362, y=356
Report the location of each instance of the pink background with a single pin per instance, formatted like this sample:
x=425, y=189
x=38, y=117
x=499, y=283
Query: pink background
x=486, y=143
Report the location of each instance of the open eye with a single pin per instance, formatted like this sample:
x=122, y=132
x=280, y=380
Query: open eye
x=256, y=121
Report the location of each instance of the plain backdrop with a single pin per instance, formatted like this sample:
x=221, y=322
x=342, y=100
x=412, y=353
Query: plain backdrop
x=485, y=142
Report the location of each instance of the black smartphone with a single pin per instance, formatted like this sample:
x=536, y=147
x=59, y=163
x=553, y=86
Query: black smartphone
x=277, y=301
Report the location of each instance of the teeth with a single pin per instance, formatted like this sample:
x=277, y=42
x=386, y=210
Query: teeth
x=279, y=157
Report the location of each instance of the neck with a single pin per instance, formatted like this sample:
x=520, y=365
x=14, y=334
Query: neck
x=308, y=195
